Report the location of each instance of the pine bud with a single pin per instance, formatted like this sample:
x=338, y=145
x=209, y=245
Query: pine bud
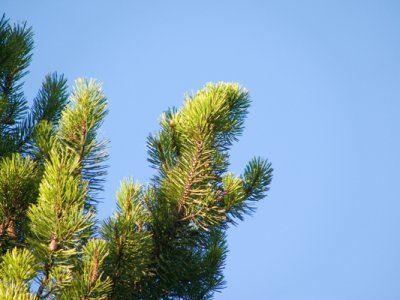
x=11, y=229
x=53, y=244
x=95, y=272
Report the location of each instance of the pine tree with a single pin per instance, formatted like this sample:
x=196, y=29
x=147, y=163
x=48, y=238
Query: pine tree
x=166, y=240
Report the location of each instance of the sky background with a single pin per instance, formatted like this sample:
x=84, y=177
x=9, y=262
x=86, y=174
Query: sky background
x=324, y=80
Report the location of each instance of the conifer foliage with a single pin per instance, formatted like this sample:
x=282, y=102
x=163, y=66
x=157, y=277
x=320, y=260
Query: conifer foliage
x=166, y=239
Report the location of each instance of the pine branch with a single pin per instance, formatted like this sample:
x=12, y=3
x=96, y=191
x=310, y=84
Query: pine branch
x=128, y=239
x=18, y=190
x=17, y=269
x=164, y=148
x=254, y=184
x=79, y=125
x=47, y=107
x=15, y=56
x=44, y=280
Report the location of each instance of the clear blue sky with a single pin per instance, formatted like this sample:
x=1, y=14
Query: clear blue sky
x=324, y=77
